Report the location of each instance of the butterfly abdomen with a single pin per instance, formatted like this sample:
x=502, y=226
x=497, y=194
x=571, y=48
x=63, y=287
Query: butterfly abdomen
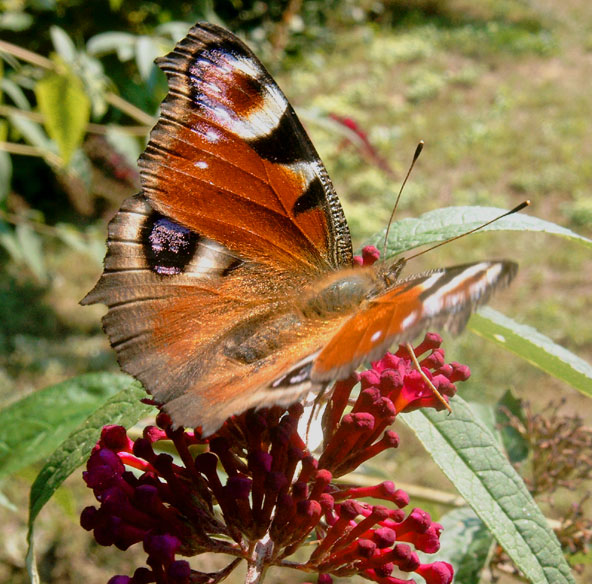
x=257, y=338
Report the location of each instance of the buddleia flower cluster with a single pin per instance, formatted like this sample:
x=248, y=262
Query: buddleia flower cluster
x=256, y=492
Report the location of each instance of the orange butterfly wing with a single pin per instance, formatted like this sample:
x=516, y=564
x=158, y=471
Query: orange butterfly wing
x=229, y=159
x=441, y=299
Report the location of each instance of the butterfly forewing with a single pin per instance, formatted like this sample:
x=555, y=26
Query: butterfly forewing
x=237, y=216
x=229, y=159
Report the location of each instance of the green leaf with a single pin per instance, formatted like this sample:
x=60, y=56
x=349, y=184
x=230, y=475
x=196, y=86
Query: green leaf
x=126, y=145
x=96, y=83
x=15, y=21
x=31, y=250
x=16, y=94
x=104, y=43
x=32, y=132
x=466, y=544
x=5, y=175
x=448, y=222
x=66, y=107
x=30, y=429
x=515, y=444
x=124, y=408
x=63, y=44
x=147, y=49
x=534, y=347
x=470, y=457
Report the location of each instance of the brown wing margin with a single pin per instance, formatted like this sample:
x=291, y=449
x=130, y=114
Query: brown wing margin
x=230, y=160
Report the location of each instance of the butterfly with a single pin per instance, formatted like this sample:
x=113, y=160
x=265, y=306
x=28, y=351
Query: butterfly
x=230, y=279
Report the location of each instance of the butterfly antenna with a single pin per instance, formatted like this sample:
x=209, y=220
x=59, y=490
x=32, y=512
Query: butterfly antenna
x=388, y=227
x=516, y=209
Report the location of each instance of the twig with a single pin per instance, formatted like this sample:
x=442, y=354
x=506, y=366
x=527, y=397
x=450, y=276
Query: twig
x=26, y=150
x=112, y=98
x=101, y=129
x=35, y=225
x=25, y=55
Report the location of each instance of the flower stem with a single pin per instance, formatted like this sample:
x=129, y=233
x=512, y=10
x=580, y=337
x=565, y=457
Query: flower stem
x=258, y=563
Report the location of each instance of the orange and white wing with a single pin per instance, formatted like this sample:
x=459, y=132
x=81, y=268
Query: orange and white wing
x=441, y=299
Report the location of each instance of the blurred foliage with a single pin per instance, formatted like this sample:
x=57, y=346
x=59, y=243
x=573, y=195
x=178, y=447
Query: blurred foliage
x=495, y=87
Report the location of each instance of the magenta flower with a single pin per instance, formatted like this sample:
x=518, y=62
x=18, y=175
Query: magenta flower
x=254, y=491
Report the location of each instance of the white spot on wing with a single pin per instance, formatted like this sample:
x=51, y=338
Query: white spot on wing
x=213, y=87
x=306, y=170
x=444, y=297
x=210, y=258
x=409, y=320
x=432, y=280
x=260, y=121
x=212, y=136
x=247, y=66
x=376, y=336
x=201, y=164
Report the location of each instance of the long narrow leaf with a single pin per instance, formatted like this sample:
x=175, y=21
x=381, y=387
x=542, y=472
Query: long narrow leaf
x=32, y=428
x=534, y=347
x=442, y=224
x=124, y=408
x=469, y=455
x=466, y=544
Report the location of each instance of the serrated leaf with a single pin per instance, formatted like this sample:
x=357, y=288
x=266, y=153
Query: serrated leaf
x=124, y=408
x=470, y=457
x=533, y=347
x=442, y=224
x=466, y=544
x=31, y=428
x=66, y=107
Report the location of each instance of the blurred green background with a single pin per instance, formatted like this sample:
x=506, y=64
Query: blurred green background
x=499, y=90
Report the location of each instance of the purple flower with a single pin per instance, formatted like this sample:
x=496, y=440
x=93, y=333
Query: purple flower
x=255, y=492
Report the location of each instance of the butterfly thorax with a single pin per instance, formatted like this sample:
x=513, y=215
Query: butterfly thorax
x=338, y=292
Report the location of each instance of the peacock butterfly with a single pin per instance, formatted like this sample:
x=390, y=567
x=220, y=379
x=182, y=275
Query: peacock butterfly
x=230, y=278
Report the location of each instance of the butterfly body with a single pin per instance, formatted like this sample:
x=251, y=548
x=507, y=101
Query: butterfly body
x=230, y=279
